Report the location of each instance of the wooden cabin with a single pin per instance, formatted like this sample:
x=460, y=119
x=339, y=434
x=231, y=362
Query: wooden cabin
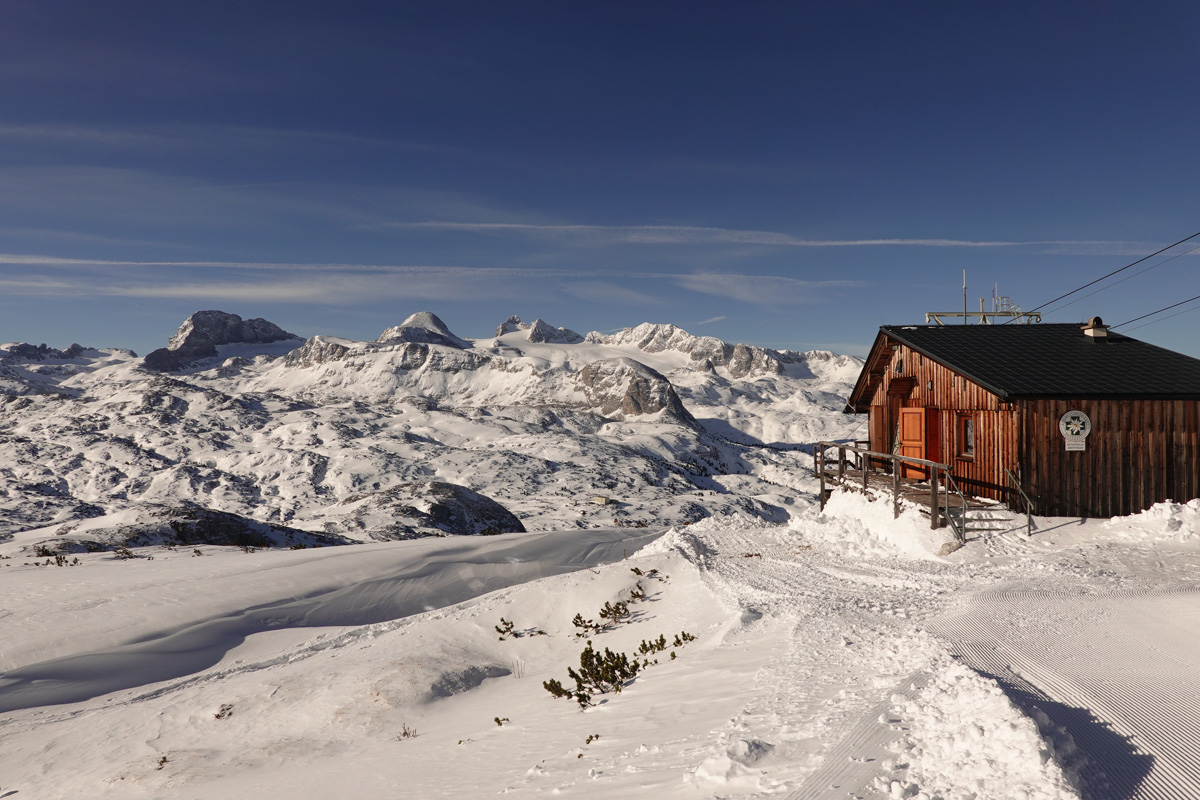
x=1088, y=422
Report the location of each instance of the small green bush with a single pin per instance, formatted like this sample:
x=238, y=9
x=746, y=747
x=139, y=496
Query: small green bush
x=598, y=674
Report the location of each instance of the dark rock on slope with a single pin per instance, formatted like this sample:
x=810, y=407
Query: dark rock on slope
x=622, y=387
x=199, y=335
x=411, y=510
x=184, y=524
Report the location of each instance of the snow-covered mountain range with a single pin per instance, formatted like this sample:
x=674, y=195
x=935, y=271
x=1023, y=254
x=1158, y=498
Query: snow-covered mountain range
x=241, y=432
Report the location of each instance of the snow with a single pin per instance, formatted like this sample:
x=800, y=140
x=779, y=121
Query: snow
x=963, y=731
x=859, y=528
x=1178, y=521
x=836, y=653
x=829, y=653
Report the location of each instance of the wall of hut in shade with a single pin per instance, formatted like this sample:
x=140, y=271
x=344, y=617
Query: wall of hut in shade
x=1140, y=451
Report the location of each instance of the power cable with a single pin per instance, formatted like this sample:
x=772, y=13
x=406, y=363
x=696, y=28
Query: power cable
x=1126, y=278
x=1109, y=275
x=1152, y=313
x=1164, y=319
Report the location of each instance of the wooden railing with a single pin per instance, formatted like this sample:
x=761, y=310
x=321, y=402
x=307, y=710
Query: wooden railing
x=862, y=459
x=1029, y=507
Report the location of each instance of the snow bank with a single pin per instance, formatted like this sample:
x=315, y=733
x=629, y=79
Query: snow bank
x=734, y=770
x=1169, y=520
x=856, y=526
x=966, y=739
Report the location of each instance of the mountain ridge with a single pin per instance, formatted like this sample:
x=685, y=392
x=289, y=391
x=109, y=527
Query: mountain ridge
x=282, y=431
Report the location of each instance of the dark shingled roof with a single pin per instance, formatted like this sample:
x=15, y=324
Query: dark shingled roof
x=1059, y=360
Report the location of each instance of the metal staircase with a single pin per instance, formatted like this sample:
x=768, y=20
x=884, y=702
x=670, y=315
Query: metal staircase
x=934, y=491
x=978, y=518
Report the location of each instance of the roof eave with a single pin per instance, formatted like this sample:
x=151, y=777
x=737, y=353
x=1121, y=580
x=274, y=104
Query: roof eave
x=854, y=403
x=1104, y=396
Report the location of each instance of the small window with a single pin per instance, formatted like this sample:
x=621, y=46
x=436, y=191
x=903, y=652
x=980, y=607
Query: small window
x=966, y=436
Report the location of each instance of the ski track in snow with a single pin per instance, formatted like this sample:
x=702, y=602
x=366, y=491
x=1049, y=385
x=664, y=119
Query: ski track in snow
x=1116, y=669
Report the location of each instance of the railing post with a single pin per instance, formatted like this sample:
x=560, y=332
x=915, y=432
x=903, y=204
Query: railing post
x=933, y=499
x=820, y=469
x=895, y=491
x=841, y=463
x=863, y=463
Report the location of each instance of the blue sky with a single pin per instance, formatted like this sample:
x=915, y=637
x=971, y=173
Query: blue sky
x=785, y=174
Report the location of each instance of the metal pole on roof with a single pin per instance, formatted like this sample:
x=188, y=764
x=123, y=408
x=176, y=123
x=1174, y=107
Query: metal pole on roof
x=964, y=297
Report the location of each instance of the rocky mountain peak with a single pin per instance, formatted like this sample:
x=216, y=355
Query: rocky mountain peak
x=510, y=325
x=424, y=327
x=201, y=333
x=541, y=331
x=538, y=331
x=218, y=327
x=708, y=352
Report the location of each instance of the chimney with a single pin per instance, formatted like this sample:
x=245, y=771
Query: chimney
x=1096, y=328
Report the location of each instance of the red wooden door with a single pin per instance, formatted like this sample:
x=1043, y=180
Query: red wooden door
x=912, y=440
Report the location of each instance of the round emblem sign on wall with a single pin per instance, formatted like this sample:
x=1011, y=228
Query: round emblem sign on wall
x=1075, y=427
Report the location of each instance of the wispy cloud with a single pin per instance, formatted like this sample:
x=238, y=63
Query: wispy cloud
x=711, y=320
x=191, y=209
x=762, y=289
x=343, y=284
x=688, y=234
x=201, y=137
x=76, y=237
x=330, y=290
x=461, y=272
x=608, y=292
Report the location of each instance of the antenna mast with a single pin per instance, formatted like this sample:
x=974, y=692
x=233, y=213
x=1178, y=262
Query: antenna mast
x=1002, y=308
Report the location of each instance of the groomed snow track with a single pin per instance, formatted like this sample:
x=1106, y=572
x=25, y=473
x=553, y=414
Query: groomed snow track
x=1114, y=670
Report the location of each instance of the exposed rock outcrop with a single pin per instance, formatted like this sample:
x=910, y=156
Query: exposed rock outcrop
x=420, y=509
x=183, y=524
x=737, y=360
x=621, y=387
x=24, y=353
x=538, y=331
x=27, y=369
x=318, y=350
x=201, y=333
x=510, y=325
x=399, y=355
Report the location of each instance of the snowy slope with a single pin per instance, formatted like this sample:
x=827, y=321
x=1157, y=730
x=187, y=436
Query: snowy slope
x=822, y=665
x=306, y=434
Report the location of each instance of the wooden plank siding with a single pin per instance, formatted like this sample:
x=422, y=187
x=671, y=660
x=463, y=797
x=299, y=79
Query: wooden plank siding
x=905, y=379
x=1139, y=452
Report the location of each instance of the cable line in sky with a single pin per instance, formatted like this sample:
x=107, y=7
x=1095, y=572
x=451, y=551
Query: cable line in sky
x=1152, y=313
x=1126, y=278
x=1114, y=272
